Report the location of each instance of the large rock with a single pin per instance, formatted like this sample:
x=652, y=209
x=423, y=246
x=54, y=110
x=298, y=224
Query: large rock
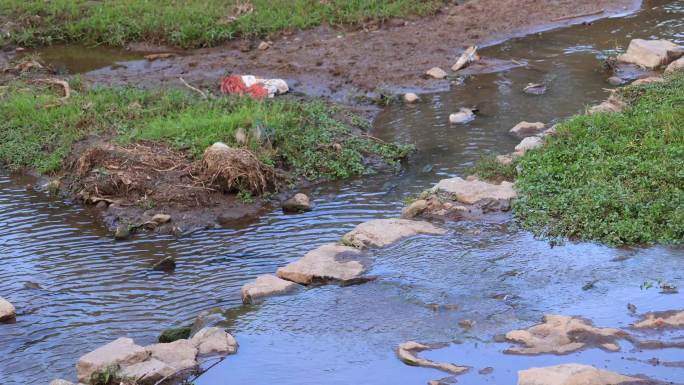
x=214, y=340
x=297, y=204
x=651, y=53
x=525, y=129
x=264, y=286
x=472, y=192
x=145, y=373
x=675, y=66
x=657, y=320
x=573, y=374
x=407, y=354
x=383, y=232
x=529, y=143
x=561, y=335
x=179, y=355
x=7, y=311
x=121, y=352
x=327, y=263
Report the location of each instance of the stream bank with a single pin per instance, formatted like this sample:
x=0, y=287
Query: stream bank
x=333, y=332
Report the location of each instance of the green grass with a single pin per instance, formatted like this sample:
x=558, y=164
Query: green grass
x=188, y=23
x=489, y=169
x=308, y=139
x=612, y=178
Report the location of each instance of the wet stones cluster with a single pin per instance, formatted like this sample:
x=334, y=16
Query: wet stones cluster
x=558, y=335
x=128, y=363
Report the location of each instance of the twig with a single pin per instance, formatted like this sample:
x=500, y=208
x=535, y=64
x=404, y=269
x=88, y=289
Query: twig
x=62, y=83
x=204, y=96
x=578, y=16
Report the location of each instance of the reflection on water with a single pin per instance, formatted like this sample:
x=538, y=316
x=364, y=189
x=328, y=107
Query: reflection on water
x=93, y=290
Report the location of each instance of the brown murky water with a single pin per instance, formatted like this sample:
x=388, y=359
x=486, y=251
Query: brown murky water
x=93, y=290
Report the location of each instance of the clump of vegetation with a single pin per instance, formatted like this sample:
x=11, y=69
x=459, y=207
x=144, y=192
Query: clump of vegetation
x=171, y=335
x=188, y=24
x=309, y=139
x=617, y=178
x=490, y=169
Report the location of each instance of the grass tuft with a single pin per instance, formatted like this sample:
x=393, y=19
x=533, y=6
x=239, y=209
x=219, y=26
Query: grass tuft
x=186, y=23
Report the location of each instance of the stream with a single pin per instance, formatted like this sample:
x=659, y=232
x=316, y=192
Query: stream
x=75, y=288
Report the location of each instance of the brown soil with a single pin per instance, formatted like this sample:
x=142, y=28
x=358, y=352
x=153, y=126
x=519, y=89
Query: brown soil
x=394, y=56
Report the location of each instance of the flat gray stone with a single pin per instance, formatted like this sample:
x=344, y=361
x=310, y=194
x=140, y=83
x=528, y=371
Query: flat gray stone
x=383, y=232
x=147, y=372
x=264, y=286
x=122, y=352
x=572, y=374
x=472, y=192
x=328, y=263
x=214, y=340
x=180, y=354
x=651, y=53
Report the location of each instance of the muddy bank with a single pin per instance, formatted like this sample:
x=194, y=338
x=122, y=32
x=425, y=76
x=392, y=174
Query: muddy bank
x=339, y=65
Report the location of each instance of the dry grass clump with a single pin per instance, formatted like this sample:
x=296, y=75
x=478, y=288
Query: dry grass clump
x=234, y=169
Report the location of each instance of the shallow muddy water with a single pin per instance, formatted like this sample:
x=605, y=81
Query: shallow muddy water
x=93, y=289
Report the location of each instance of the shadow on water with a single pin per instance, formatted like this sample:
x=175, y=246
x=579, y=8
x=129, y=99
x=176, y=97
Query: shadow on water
x=93, y=290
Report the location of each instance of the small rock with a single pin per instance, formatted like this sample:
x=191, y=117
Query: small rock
x=241, y=136
x=208, y=318
x=32, y=285
x=466, y=324
x=167, y=264
x=535, y=89
x=525, y=129
x=487, y=370
x=589, y=285
x=101, y=205
x=675, y=66
x=410, y=97
x=651, y=53
x=472, y=192
x=265, y=285
x=615, y=81
x=7, y=311
x=123, y=232
x=632, y=308
x=61, y=382
x=407, y=354
x=648, y=80
x=443, y=381
x=214, y=340
x=529, y=143
x=463, y=116
x=263, y=46
x=297, y=204
x=122, y=352
x=414, y=209
x=436, y=73
x=161, y=219
x=157, y=56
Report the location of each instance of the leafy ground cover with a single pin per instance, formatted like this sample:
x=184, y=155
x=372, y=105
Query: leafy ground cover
x=617, y=178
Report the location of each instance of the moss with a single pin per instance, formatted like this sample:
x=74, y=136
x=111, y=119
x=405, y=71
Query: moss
x=170, y=335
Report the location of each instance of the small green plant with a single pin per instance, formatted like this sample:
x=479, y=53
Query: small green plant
x=105, y=376
x=490, y=169
x=245, y=196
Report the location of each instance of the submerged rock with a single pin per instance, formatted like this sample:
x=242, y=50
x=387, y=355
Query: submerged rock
x=407, y=354
x=657, y=320
x=123, y=232
x=121, y=352
x=463, y=116
x=264, y=286
x=7, y=311
x=436, y=73
x=651, y=53
x=473, y=192
x=383, y=232
x=535, y=89
x=327, y=263
x=171, y=335
x=524, y=129
x=297, y=204
x=167, y=264
x=561, y=335
x=573, y=374
x=208, y=318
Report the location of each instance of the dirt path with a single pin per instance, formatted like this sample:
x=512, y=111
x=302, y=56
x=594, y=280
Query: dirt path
x=323, y=62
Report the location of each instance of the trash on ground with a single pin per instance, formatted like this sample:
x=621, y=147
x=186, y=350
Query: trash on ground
x=253, y=86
